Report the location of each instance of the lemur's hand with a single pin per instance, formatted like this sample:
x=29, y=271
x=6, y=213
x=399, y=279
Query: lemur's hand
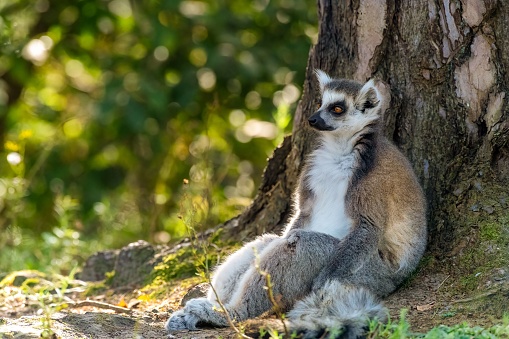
x=182, y=320
x=292, y=239
x=198, y=310
x=188, y=317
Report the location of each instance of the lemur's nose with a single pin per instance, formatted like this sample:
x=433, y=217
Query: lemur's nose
x=312, y=120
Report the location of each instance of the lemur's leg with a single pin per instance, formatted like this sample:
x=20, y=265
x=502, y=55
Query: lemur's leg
x=344, y=305
x=359, y=261
x=292, y=262
x=345, y=293
x=227, y=276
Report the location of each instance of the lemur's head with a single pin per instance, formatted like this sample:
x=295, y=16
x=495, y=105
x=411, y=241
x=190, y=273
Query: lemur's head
x=345, y=105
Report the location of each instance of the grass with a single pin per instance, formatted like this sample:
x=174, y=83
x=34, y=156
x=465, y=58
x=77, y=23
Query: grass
x=397, y=329
x=45, y=291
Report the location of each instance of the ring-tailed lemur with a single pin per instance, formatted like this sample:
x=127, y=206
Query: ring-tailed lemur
x=359, y=229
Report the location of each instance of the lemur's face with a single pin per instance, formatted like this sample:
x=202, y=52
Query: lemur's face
x=345, y=105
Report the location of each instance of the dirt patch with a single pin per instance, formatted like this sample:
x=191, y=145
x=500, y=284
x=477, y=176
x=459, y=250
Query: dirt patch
x=84, y=325
x=432, y=298
x=32, y=303
x=427, y=298
x=100, y=324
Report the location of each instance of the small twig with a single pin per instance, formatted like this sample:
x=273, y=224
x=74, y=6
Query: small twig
x=195, y=242
x=442, y=283
x=477, y=297
x=277, y=308
x=270, y=292
x=436, y=292
x=98, y=304
x=228, y=318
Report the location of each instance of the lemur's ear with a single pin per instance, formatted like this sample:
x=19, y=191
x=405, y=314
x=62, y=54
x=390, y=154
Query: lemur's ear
x=323, y=79
x=368, y=97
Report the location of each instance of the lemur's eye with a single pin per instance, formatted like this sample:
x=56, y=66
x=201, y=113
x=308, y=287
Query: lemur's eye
x=337, y=109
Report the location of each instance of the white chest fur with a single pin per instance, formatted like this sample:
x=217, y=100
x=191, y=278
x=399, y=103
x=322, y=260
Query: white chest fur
x=329, y=177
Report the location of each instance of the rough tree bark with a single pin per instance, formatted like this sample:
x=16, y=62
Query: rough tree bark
x=446, y=63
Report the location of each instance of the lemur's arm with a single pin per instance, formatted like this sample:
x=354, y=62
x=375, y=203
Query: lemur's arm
x=359, y=245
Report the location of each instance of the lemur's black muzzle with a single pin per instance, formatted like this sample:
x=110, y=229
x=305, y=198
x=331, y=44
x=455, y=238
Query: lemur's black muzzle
x=318, y=123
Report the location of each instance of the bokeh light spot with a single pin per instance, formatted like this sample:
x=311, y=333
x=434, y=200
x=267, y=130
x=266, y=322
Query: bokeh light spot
x=35, y=51
x=73, y=128
x=161, y=53
x=122, y=8
x=172, y=78
x=253, y=100
x=198, y=57
x=105, y=25
x=206, y=79
x=14, y=158
x=237, y=118
x=192, y=8
x=74, y=68
x=260, y=129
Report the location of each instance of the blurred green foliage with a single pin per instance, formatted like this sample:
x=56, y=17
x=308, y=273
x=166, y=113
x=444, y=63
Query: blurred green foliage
x=109, y=107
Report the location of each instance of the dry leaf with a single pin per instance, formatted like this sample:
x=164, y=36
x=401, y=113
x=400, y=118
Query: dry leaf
x=426, y=307
x=122, y=303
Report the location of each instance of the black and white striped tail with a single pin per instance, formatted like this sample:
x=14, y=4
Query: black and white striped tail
x=336, y=311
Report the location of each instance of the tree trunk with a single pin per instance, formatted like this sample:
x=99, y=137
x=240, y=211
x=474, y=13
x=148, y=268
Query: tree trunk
x=446, y=65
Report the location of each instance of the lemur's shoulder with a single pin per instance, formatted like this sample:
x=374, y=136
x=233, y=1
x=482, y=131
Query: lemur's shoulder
x=390, y=180
x=395, y=175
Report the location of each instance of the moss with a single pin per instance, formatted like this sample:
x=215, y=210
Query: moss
x=177, y=265
x=109, y=276
x=468, y=282
x=189, y=261
x=95, y=288
x=447, y=314
x=197, y=258
x=482, y=232
x=490, y=231
x=177, y=288
x=18, y=278
x=485, y=251
x=472, y=248
x=186, y=267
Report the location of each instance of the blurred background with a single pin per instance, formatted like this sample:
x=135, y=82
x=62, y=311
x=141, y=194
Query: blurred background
x=119, y=119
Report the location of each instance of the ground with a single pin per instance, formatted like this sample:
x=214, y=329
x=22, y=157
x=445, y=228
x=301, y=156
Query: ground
x=22, y=314
x=141, y=313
